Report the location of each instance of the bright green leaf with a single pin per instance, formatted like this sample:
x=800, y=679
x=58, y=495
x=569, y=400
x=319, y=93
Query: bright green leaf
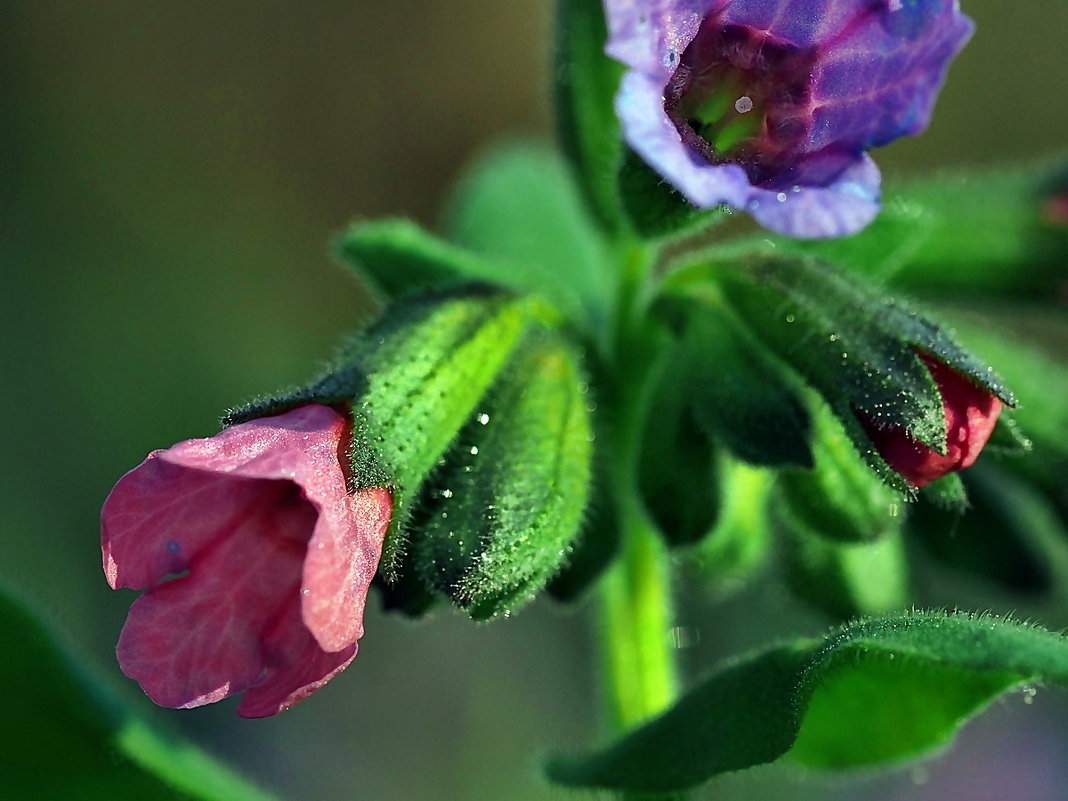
x=872, y=692
x=845, y=579
x=518, y=206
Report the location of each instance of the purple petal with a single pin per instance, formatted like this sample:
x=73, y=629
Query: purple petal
x=825, y=80
x=649, y=36
x=879, y=78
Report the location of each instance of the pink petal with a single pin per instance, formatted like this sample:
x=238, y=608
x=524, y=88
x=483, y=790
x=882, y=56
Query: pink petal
x=161, y=513
x=160, y=516
x=295, y=666
x=197, y=639
x=342, y=559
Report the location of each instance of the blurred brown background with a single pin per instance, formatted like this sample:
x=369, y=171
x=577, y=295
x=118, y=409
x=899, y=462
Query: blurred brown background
x=171, y=174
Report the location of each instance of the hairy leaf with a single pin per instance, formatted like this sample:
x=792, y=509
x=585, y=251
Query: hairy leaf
x=876, y=691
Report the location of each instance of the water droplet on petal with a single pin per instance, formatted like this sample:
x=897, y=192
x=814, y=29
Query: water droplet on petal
x=744, y=104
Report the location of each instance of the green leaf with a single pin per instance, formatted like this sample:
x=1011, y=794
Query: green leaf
x=740, y=395
x=518, y=206
x=655, y=208
x=401, y=258
x=839, y=499
x=738, y=545
x=500, y=516
x=69, y=739
x=845, y=579
x=586, y=83
x=853, y=344
x=877, y=691
x=960, y=233
x=677, y=468
x=427, y=364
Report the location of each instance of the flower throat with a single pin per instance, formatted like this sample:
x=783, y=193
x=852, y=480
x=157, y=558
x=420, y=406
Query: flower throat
x=741, y=96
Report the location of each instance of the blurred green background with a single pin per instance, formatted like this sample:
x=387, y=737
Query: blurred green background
x=172, y=173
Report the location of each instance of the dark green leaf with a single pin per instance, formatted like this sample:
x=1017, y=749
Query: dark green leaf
x=740, y=395
x=654, y=207
x=677, y=467
x=872, y=692
x=856, y=346
x=1014, y=535
x=586, y=83
x=840, y=498
x=66, y=738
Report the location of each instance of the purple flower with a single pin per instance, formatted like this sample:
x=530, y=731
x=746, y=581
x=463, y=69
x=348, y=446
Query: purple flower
x=770, y=105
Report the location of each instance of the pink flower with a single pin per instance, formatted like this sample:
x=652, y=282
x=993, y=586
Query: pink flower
x=256, y=557
x=971, y=413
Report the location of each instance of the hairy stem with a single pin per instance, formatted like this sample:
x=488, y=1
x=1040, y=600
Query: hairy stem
x=636, y=609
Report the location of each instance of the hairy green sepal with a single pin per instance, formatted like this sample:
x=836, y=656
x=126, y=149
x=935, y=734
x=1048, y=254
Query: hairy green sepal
x=500, y=516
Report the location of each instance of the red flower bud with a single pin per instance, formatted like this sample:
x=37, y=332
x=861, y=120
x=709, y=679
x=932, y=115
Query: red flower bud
x=971, y=413
x=257, y=561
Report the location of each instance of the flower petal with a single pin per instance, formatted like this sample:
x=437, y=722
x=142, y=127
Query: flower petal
x=342, y=559
x=842, y=207
x=197, y=638
x=643, y=34
x=295, y=666
x=879, y=79
x=161, y=513
x=652, y=135
x=159, y=516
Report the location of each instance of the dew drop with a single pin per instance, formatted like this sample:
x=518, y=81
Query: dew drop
x=781, y=197
x=483, y=418
x=474, y=450
x=795, y=188
x=446, y=493
x=744, y=104
x=790, y=318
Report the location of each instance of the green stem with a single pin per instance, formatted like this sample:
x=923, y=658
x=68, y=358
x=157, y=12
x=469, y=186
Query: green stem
x=636, y=607
x=636, y=611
